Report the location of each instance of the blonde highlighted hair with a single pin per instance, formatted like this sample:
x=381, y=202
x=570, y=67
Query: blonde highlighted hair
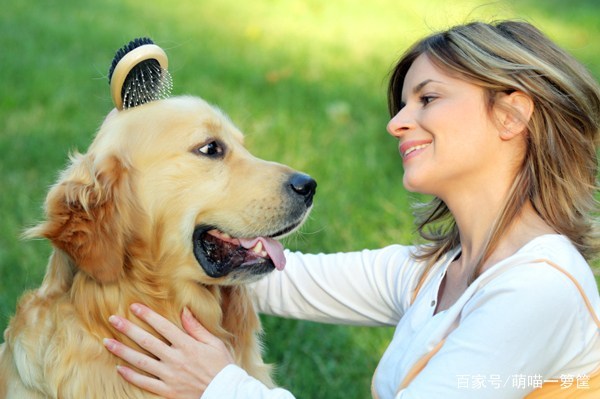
x=558, y=174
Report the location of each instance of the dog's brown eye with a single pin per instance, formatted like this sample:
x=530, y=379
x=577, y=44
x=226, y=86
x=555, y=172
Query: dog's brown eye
x=211, y=149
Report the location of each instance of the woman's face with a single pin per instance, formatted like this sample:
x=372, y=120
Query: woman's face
x=448, y=141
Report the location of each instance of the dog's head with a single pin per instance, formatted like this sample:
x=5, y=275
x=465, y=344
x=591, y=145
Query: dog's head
x=171, y=185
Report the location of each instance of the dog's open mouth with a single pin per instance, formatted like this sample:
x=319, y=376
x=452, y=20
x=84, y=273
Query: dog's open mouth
x=218, y=253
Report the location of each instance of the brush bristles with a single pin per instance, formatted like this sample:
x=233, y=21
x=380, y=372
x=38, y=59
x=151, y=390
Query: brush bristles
x=146, y=82
x=120, y=53
x=138, y=74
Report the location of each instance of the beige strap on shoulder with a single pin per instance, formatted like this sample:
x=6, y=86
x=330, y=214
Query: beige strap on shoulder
x=548, y=390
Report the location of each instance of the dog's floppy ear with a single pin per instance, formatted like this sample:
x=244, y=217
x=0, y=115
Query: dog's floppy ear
x=88, y=215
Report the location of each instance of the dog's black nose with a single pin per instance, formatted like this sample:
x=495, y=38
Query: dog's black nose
x=303, y=185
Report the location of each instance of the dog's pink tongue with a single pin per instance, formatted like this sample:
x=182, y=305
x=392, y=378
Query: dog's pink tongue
x=273, y=248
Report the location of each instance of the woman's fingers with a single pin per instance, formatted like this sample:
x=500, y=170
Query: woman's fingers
x=139, y=336
x=180, y=370
x=133, y=357
x=147, y=383
x=193, y=327
x=163, y=326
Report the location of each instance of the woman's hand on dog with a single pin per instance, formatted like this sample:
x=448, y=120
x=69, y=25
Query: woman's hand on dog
x=180, y=370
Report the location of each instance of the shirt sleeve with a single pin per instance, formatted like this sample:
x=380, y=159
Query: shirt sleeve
x=500, y=347
x=352, y=288
x=371, y=287
x=233, y=382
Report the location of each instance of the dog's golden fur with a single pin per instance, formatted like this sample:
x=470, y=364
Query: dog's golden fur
x=120, y=219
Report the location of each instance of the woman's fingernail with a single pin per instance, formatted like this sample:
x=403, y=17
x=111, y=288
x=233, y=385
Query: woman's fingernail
x=115, y=321
x=110, y=344
x=136, y=309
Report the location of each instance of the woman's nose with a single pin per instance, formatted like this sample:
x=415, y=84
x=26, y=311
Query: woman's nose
x=399, y=123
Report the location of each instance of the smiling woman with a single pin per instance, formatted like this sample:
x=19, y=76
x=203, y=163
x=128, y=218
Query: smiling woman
x=440, y=144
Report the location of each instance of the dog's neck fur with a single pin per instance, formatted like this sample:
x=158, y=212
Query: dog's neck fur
x=95, y=301
x=216, y=307
x=71, y=308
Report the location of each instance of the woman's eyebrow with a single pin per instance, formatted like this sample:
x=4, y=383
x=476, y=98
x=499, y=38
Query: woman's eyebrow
x=424, y=83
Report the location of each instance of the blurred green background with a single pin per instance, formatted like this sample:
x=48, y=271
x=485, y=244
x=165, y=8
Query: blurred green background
x=304, y=79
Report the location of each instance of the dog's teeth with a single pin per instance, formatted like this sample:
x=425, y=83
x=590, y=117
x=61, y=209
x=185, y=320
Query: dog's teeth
x=264, y=254
x=225, y=235
x=258, y=248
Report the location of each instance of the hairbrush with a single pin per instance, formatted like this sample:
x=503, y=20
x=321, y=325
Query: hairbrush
x=138, y=74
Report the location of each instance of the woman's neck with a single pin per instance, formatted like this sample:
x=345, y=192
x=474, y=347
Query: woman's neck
x=475, y=232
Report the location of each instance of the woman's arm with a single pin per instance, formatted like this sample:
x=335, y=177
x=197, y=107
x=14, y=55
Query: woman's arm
x=371, y=287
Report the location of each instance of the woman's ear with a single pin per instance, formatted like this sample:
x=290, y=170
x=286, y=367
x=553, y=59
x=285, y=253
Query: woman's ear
x=514, y=111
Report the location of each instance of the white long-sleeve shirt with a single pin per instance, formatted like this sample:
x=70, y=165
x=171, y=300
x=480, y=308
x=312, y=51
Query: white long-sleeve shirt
x=520, y=323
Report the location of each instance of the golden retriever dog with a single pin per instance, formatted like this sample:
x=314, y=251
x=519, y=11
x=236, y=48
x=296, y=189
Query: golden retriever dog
x=166, y=208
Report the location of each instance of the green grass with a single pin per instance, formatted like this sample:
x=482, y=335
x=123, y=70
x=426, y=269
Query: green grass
x=305, y=80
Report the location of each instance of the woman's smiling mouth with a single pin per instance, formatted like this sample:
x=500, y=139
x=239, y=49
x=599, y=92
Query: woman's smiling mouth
x=413, y=147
